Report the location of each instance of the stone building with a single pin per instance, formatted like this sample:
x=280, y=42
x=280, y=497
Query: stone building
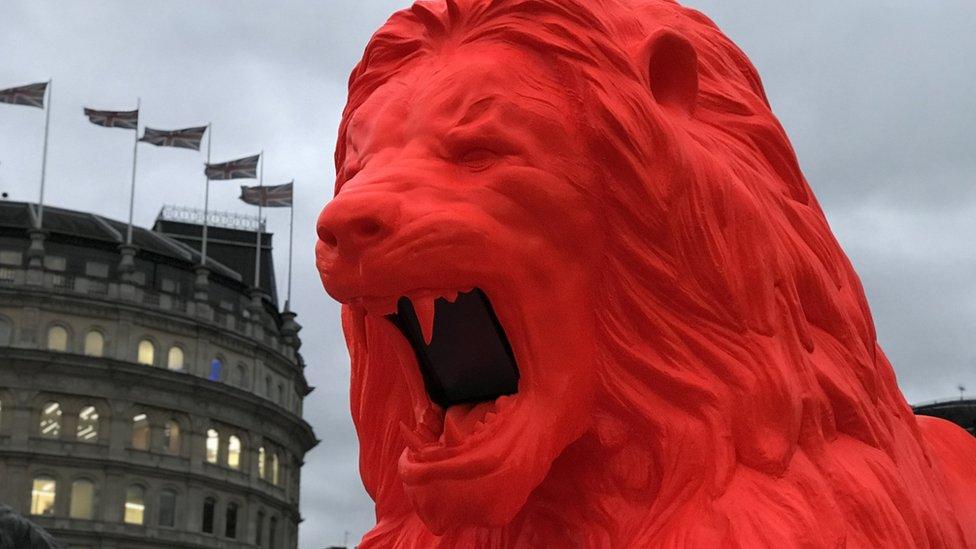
x=146, y=400
x=961, y=411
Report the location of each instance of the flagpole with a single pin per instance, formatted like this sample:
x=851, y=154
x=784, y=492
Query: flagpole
x=291, y=237
x=257, y=255
x=47, y=126
x=206, y=198
x=132, y=187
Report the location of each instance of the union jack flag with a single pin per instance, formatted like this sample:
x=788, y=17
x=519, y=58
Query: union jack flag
x=242, y=168
x=128, y=120
x=31, y=95
x=187, y=138
x=275, y=196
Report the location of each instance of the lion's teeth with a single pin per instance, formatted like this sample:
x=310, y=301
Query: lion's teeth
x=450, y=297
x=424, y=308
x=503, y=403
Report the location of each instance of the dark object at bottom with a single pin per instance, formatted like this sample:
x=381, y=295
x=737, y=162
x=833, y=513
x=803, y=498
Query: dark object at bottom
x=16, y=532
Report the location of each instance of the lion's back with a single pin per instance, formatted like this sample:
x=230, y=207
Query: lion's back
x=955, y=451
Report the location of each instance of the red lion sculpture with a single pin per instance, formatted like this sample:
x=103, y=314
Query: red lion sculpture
x=590, y=300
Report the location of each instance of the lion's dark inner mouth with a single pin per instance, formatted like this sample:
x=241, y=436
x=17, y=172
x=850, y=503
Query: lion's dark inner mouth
x=468, y=359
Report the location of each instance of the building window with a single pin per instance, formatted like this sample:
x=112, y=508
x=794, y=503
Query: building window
x=6, y=331
x=234, y=452
x=82, y=499
x=171, y=437
x=169, y=285
x=274, y=469
x=262, y=456
x=88, y=424
x=208, y=515
x=57, y=339
x=55, y=263
x=259, y=529
x=94, y=343
x=11, y=258
x=174, y=360
x=272, y=532
x=213, y=445
x=281, y=394
x=241, y=375
x=140, y=432
x=267, y=386
x=135, y=505
x=43, y=492
x=230, y=521
x=167, y=508
x=50, y=425
x=146, y=353
x=216, y=366
x=96, y=270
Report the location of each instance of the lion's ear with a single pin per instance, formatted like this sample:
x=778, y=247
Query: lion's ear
x=672, y=70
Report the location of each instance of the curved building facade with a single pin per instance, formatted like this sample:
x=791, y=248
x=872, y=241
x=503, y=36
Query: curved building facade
x=961, y=411
x=146, y=400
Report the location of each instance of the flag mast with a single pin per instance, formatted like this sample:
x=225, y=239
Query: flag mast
x=257, y=254
x=47, y=127
x=206, y=198
x=291, y=237
x=132, y=186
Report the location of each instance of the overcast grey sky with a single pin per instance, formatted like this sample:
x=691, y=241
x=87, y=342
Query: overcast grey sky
x=878, y=98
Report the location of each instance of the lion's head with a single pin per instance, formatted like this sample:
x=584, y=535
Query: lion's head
x=580, y=265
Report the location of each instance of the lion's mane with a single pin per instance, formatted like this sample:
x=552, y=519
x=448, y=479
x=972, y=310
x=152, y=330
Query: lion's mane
x=743, y=392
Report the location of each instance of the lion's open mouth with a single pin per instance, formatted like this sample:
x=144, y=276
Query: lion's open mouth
x=465, y=360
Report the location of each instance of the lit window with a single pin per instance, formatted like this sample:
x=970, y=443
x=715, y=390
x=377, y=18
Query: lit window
x=57, y=339
x=230, y=521
x=88, y=424
x=82, y=497
x=261, y=459
x=171, y=437
x=50, y=425
x=140, y=432
x=43, y=493
x=167, y=508
x=216, y=365
x=234, y=452
x=274, y=469
x=174, y=361
x=213, y=445
x=94, y=343
x=146, y=353
x=135, y=505
x=208, y=515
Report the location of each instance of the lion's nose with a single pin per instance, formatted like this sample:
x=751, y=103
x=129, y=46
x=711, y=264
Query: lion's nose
x=351, y=224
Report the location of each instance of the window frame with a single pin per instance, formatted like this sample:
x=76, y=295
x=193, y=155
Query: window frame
x=67, y=338
x=92, y=499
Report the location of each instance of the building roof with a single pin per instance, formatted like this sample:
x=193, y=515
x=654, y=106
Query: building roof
x=75, y=225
